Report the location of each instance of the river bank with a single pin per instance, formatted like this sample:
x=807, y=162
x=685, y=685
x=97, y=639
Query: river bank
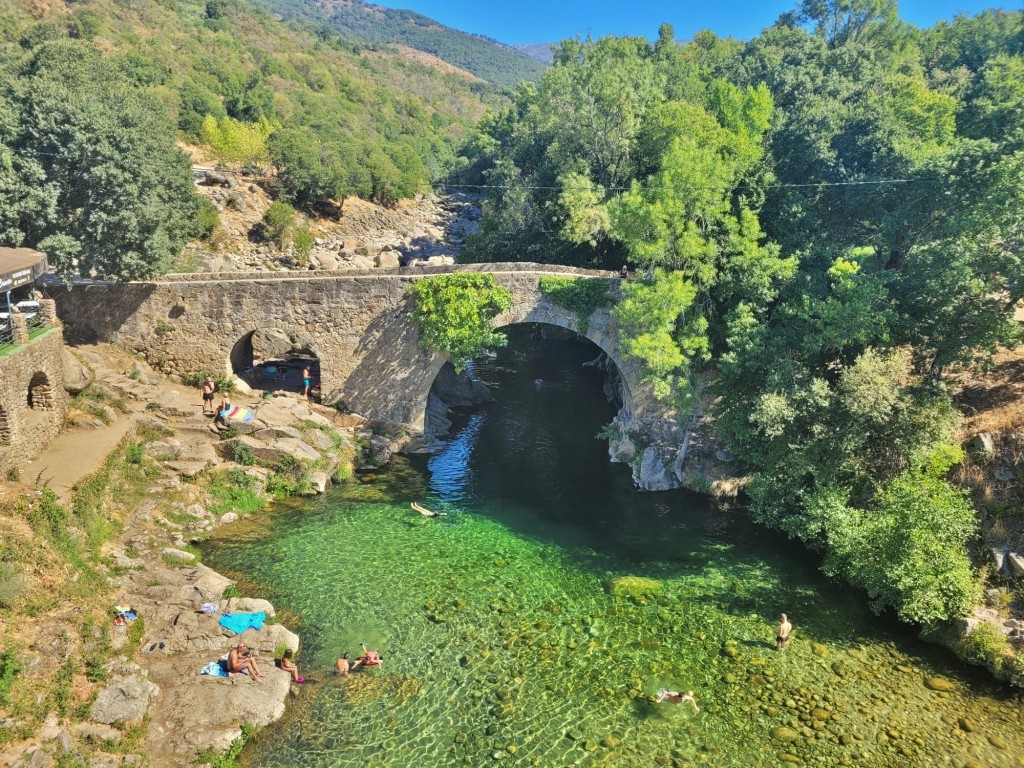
x=75, y=685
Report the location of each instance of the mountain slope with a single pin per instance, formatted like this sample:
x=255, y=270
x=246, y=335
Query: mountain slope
x=373, y=24
x=539, y=51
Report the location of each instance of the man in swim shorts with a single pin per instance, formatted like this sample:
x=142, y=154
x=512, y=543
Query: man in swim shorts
x=782, y=636
x=208, y=389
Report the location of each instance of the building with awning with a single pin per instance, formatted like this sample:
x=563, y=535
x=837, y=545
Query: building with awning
x=20, y=266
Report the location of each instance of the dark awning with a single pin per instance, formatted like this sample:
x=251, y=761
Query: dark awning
x=20, y=266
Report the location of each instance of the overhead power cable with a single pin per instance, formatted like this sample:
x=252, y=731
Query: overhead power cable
x=806, y=185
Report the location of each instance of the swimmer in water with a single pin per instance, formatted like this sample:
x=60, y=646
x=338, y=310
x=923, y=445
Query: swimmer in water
x=674, y=697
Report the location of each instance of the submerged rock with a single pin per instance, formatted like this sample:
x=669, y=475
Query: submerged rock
x=939, y=684
x=634, y=586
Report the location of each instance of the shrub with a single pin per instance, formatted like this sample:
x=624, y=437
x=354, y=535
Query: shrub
x=10, y=668
x=224, y=382
x=302, y=241
x=579, y=295
x=239, y=452
x=985, y=645
x=278, y=223
x=454, y=312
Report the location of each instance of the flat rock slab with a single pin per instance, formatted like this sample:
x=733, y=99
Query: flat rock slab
x=195, y=712
x=186, y=468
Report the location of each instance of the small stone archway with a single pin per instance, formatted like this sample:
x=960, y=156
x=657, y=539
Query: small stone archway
x=274, y=358
x=40, y=392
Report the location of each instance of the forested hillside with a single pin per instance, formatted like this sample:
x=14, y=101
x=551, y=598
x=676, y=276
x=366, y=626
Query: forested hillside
x=367, y=23
x=96, y=94
x=828, y=218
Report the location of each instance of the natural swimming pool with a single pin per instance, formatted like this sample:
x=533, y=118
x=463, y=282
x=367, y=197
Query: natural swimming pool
x=503, y=644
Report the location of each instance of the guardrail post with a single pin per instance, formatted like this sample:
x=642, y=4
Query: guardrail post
x=19, y=325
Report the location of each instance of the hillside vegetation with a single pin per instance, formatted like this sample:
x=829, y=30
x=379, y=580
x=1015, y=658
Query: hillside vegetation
x=96, y=94
x=830, y=219
x=367, y=23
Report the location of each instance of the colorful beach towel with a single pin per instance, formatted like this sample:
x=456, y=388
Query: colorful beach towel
x=215, y=669
x=239, y=622
x=237, y=413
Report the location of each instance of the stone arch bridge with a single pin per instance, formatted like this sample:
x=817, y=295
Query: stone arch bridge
x=358, y=323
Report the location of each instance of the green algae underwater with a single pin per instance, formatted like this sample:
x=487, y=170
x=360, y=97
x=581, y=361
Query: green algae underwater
x=511, y=635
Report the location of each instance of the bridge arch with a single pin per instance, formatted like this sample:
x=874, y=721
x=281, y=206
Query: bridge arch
x=394, y=378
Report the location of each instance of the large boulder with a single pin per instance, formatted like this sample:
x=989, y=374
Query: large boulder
x=1016, y=562
x=125, y=697
x=387, y=260
x=247, y=605
x=283, y=448
x=459, y=389
x=655, y=472
x=77, y=375
x=982, y=446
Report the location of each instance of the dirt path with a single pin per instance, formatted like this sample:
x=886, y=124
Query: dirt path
x=76, y=454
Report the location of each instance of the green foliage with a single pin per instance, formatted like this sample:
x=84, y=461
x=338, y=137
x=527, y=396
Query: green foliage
x=579, y=295
x=454, y=312
x=235, y=142
x=302, y=242
x=239, y=453
x=234, y=491
x=986, y=645
x=279, y=223
x=228, y=759
x=224, y=383
x=907, y=550
x=111, y=196
x=10, y=668
x=661, y=330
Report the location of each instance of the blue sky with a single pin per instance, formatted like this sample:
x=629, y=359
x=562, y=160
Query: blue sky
x=543, y=21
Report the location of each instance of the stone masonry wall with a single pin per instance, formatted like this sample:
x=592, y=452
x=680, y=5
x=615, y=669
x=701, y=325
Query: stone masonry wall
x=32, y=399
x=358, y=325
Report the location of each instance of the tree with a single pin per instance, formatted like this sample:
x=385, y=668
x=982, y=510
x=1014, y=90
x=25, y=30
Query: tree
x=308, y=172
x=235, y=142
x=454, y=312
x=125, y=195
x=662, y=330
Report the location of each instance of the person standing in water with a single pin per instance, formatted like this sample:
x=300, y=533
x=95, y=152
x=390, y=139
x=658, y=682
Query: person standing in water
x=675, y=697
x=341, y=665
x=782, y=636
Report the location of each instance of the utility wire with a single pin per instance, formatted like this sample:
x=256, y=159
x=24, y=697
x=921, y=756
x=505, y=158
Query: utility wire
x=810, y=185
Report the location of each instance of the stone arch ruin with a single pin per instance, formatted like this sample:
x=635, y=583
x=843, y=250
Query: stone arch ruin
x=40, y=392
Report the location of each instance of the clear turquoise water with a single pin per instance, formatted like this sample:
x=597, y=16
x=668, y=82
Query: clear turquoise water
x=503, y=645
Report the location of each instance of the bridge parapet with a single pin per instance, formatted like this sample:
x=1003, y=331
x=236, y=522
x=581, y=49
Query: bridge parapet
x=511, y=267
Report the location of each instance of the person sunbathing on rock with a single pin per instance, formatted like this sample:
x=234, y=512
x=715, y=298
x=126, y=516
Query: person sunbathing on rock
x=241, y=660
x=290, y=666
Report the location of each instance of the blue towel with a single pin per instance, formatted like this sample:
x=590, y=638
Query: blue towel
x=215, y=669
x=239, y=622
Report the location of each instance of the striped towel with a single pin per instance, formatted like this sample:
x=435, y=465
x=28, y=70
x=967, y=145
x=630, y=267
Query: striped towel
x=237, y=413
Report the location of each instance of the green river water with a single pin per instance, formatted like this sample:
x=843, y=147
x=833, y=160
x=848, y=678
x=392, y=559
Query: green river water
x=503, y=645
